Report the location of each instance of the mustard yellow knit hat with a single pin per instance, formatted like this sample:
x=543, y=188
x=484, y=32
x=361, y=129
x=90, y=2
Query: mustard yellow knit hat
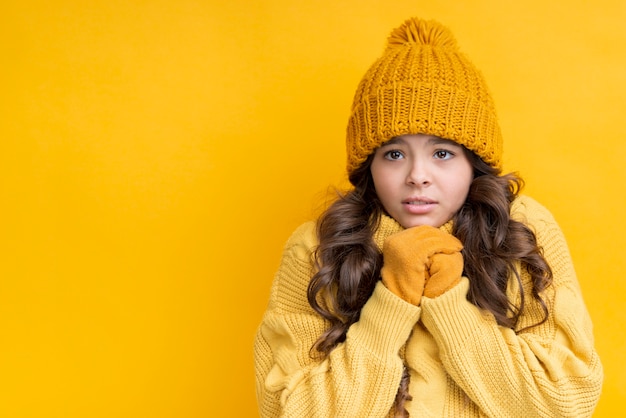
x=423, y=84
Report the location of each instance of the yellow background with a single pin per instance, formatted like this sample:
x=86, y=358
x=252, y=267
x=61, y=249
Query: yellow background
x=155, y=156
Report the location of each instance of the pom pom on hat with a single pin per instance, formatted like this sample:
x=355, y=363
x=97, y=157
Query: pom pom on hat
x=422, y=32
x=423, y=84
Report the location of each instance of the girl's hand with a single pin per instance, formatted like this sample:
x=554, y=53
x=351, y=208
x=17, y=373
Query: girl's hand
x=421, y=257
x=445, y=272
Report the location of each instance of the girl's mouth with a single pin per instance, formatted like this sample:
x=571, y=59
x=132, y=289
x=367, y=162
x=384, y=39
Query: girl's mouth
x=418, y=201
x=419, y=205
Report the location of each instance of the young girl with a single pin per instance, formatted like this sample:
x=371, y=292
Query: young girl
x=432, y=288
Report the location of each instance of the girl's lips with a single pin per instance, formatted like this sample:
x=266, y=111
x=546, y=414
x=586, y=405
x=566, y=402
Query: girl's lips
x=419, y=205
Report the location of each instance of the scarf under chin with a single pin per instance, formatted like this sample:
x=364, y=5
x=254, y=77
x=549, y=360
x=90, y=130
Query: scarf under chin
x=389, y=226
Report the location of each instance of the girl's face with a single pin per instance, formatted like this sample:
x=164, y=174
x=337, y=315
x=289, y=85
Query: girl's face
x=421, y=179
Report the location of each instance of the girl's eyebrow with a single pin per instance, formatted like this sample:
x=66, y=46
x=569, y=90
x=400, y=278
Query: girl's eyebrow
x=433, y=140
x=393, y=141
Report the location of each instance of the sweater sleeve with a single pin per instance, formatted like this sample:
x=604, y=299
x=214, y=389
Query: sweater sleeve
x=361, y=375
x=544, y=371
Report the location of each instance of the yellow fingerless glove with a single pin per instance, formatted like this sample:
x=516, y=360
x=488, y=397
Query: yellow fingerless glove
x=407, y=260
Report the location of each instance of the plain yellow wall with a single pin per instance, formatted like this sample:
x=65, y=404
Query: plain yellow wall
x=157, y=154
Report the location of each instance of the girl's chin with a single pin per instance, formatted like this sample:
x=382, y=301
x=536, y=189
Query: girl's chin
x=412, y=224
x=410, y=221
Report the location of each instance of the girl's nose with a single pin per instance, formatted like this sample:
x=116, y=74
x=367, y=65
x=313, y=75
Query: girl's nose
x=419, y=174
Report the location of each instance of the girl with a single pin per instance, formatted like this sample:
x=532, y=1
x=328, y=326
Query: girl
x=433, y=287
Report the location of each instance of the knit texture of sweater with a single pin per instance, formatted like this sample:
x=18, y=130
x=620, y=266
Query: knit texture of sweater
x=462, y=363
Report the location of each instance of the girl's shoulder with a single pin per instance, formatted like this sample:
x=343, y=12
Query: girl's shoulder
x=289, y=288
x=303, y=239
x=529, y=211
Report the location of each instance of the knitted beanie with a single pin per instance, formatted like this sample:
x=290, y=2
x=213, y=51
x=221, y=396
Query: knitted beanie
x=423, y=84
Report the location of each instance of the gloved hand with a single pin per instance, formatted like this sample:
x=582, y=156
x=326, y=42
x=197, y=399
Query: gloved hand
x=408, y=258
x=445, y=272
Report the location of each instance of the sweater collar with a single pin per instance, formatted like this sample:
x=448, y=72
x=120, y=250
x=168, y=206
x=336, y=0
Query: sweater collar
x=388, y=226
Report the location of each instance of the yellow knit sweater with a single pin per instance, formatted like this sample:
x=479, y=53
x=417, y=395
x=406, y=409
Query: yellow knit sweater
x=462, y=363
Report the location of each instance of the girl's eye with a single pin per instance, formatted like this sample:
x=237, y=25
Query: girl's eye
x=443, y=154
x=393, y=155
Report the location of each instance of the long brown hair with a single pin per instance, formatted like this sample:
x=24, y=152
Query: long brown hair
x=348, y=262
